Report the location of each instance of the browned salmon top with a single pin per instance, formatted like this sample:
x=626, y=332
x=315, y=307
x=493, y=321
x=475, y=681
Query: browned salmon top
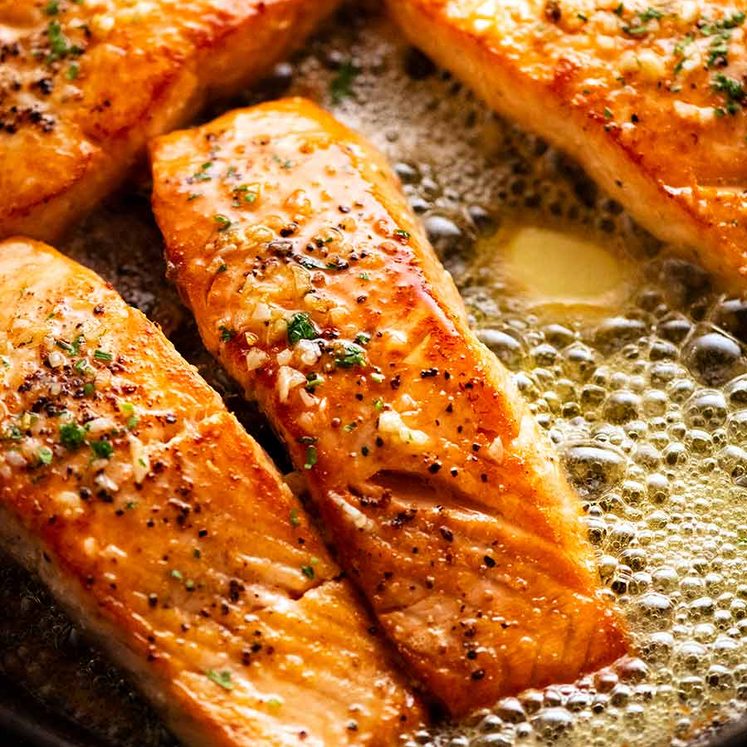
x=166, y=530
x=311, y=280
x=650, y=97
x=85, y=83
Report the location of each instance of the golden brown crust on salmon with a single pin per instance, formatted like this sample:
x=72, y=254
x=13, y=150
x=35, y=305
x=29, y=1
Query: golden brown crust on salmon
x=83, y=85
x=648, y=97
x=312, y=282
x=165, y=529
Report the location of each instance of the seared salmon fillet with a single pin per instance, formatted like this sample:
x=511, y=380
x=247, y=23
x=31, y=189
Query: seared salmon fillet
x=314, y=285
x=648, y=96
x=167, y=532
x=85, y=83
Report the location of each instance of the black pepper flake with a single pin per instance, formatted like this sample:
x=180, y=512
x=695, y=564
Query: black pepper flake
x=478, y=674
x=435, y=467
x=404, y=517
x=152, y=600
x=428, y=373
x=281, y=248
x=235, y=588
x=446, y=533
x=489, y=562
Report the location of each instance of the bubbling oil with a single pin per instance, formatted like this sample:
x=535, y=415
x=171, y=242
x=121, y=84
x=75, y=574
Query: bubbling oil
x=640, y=380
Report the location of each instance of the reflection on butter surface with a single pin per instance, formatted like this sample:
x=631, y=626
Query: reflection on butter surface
x=567, y=269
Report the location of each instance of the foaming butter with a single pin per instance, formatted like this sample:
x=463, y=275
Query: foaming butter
x=564, y=269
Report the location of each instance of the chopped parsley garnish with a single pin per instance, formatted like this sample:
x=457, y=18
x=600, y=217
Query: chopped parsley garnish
x=363, y=338
x=102, y=449
x=12, y=433
x=350, y=354
x=177, y=574
x=72, y=71
x=732, y=90
x=642, y=19
x=59, y=44
x=718, y=51
x=72, y=436
x=310, y=263
x=222, y=221
x=342, y=84
x=301, y=327
x=226, y=334
x=44, y=455
x=244, y=193
x=311, y=457
x=71, y=348
x=52, y=8
x=402, y=234
x=294, y=518
x=284, y=164
x=201, y=175
x=313, y=380
x=650, y=14
x=308, y=571
x=220, y=678
x=102, y=355
x=128, y=409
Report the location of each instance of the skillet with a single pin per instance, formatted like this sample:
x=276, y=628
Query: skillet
x=476, y=193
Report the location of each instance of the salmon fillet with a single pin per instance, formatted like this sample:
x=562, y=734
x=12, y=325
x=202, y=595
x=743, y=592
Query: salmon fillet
x=314, y=285
x=648, y=96
x=167, y=532
x=84, y=84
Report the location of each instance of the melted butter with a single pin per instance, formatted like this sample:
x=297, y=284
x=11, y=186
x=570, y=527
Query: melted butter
x=561, y=269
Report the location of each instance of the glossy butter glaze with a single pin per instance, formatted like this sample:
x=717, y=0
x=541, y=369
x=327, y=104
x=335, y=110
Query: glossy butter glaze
x=167, y=532
x=312, y=282
x=648, y=97
x=83, y=85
